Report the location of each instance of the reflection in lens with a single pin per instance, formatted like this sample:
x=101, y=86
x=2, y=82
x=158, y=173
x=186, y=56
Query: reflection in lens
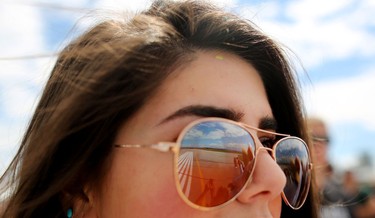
x=215, y=162
x=292, y=156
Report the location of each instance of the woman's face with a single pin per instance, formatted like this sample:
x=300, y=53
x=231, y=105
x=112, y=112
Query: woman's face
x=140, y=181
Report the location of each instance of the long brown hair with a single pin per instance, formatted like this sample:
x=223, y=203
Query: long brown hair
x=104, y=76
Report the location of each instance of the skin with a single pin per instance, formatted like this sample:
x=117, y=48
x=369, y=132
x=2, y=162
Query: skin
x=317, y=128
x=140, y=181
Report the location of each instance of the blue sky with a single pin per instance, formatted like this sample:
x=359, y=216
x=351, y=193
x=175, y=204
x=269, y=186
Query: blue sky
x=333, y=40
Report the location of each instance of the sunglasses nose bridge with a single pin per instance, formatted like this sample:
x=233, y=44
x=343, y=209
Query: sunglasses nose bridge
x=259, y=146
x=268, y=150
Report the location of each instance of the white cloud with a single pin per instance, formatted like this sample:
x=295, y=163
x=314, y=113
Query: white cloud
x=70, y=3
x=309, y=10
x=260, y=13
x=348, y=100
x=20, y=79
x=20, y=86
x=225, y=3
x=318, y=31
x=10, y=137
x=233, y=131
x=21, y=29
x=345, y=162
x=216, y=134
x=144, y=4
x=21, y=82
x=123, y=5
x=194, y=133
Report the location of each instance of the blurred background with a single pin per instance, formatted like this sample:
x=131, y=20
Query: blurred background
x=332, y=44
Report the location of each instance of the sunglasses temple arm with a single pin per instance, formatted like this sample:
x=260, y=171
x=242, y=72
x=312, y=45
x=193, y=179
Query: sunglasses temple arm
x=161, y=146
x=264, y=131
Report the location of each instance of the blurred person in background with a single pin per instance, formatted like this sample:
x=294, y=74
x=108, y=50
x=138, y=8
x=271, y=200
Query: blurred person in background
x=360, y=199
x=331, y=191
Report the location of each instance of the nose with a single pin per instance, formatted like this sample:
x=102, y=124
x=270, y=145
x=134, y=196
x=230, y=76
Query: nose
x=267, y=181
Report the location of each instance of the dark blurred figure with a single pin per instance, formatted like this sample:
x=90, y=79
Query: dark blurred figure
x=331, y=192
x=361, y=200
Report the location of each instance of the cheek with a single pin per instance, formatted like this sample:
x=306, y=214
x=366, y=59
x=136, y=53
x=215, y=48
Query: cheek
x=166, y=199
x=275, y=206
x=162, y=198
x=143, y=186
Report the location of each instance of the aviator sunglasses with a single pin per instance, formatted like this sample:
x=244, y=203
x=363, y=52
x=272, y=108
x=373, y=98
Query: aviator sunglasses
x=214, y=159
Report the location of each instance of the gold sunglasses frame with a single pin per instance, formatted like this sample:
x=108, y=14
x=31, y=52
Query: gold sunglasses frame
x=175, y=148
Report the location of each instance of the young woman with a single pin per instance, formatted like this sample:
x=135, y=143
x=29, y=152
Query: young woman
x=182, y=111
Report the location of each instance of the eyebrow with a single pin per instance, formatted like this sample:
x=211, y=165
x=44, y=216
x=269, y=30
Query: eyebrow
x=205, y=111
x=268, y=123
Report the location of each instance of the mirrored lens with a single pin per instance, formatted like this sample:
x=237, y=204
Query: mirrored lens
x=292, y=156
x=215, y=162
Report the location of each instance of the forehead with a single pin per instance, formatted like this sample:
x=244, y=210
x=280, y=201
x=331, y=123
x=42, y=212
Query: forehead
x=317, y=127
x=214, y=78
